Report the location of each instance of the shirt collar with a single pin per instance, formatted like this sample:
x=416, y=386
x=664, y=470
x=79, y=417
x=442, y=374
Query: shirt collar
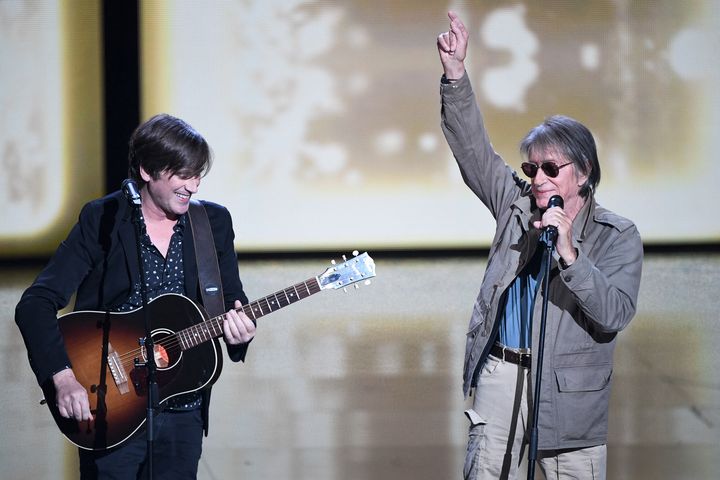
x=180, y=225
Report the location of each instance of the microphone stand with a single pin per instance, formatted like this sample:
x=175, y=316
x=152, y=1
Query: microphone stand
x=147, y=342
x=550, y=236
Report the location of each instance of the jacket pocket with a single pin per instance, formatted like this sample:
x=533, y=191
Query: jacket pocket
x=583, y=379
x=583, y=399
x=476, y=443
x=479, y=314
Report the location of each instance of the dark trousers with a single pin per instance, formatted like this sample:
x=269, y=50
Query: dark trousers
x=176, y=452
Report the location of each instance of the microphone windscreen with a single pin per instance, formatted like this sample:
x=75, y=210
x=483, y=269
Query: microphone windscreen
x=556, y=201
x=130, y=189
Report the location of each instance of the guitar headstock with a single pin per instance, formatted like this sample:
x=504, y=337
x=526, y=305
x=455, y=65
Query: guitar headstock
x=358, y=269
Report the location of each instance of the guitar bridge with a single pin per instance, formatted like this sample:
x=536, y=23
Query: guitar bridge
x=117, y=370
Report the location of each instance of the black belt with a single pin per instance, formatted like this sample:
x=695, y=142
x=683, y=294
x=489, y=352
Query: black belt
x=184, y=402
x=508, y=355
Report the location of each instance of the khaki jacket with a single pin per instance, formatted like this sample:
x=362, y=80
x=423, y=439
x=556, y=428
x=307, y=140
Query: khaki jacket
x=589, y=302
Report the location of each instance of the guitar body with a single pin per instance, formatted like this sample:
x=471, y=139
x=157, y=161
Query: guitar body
x=103, y=347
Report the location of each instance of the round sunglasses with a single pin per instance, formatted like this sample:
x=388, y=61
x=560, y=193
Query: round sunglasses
x=551, y=169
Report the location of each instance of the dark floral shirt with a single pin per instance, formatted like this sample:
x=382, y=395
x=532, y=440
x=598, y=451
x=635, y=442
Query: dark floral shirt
x=162, y=274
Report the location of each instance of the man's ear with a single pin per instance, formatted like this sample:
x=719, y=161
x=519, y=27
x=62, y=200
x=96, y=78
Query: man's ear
x=581, y=179
x=144, y=175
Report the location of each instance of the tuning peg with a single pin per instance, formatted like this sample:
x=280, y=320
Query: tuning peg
x=344, y=258
x=332, y=262
x=357, y=286
x=355, y=253
x=368, y=282
x=345, y=289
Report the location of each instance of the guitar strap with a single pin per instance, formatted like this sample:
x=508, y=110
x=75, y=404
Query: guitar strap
x=206, y=259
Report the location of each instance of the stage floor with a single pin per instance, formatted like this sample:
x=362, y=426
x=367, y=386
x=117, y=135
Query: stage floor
x=367, y=384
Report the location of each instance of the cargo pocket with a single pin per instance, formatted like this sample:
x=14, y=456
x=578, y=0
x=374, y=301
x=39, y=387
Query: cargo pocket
x=476, y=442
x=583, y=398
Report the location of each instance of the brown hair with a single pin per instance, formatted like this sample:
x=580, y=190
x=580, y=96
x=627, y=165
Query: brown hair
x=168, y=144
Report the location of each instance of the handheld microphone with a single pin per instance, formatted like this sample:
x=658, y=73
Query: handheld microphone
x=551, y=230
x=130, y=189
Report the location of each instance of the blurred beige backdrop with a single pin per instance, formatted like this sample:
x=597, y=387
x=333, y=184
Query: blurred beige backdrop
x=368, y=385
x=324, y=115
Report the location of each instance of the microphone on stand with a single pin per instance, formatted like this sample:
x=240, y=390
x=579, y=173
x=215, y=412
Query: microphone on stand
x=130, y=189
x=551, y=230
x=548, y=237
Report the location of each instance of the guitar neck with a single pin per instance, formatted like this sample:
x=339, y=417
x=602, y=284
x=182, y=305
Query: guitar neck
x=212, y=328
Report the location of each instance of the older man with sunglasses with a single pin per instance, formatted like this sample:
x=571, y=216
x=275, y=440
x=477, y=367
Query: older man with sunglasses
x=594, y=282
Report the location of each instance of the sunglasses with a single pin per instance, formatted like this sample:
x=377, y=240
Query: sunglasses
x=551, y=169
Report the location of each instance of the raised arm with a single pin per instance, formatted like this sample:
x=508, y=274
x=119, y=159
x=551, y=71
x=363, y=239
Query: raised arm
x=483, y=170
x=452, y=47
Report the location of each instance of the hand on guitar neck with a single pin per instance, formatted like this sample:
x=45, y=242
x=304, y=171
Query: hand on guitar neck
x=237, y=327
x=71, y=398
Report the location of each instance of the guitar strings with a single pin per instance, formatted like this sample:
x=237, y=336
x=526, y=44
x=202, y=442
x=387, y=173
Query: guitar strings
x=175, y=340
x=170, y=342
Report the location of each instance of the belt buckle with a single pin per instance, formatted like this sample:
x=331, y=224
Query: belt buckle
x=522, y=357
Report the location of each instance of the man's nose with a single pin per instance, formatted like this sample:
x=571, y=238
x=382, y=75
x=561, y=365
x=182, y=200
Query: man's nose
x=193, y=184
x=540, y=177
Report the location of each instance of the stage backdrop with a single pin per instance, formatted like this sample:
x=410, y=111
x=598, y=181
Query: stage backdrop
x=50, y=120
x=324, y=115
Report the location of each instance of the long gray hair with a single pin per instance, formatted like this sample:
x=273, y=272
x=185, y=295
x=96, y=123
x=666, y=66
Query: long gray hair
x=570, y=138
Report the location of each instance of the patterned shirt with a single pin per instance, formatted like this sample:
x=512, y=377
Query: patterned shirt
x=164, y=275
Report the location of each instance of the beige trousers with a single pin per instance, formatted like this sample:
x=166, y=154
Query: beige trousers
x=497, y=436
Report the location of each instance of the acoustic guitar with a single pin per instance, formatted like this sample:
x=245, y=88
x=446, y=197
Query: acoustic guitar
x=106, y=352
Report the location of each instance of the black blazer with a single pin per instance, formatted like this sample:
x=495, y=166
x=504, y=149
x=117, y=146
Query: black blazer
x=98, y=261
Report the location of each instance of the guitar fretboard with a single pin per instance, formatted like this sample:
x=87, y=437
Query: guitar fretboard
x=202, y=332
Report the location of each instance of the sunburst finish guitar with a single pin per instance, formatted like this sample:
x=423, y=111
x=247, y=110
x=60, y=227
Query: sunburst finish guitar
x=105, y=348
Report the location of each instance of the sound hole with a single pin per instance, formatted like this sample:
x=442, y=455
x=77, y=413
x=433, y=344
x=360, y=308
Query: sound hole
x=167, y=349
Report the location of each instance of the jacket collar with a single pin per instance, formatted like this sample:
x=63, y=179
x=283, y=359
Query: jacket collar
x=528, y=211
x=525, y=208
x=126, y=233
x=582, y=221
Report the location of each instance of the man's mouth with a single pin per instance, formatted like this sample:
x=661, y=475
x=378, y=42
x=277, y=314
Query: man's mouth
x=182, y=196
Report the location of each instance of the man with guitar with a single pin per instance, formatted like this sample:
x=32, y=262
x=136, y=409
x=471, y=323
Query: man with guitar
x=594, y=277
x=98, y=261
